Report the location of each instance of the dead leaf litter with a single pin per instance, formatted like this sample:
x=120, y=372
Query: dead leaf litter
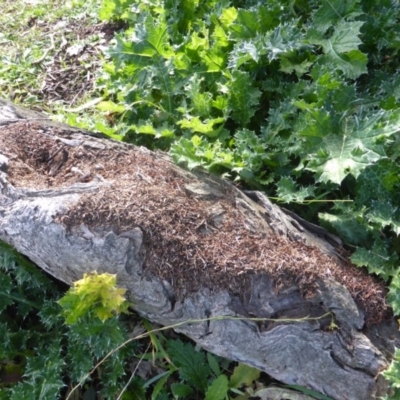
x=187, y=242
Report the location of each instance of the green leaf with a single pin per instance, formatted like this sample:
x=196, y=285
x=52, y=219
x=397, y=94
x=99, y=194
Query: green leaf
x=378, y=183
x=243, y=375
x=213, y=363
x=333, y=11
x=215, y=59
x=148, y=128
x=394, y=294
x=338, y=147
x=341, y=49
x=220, y=36
x=245, y=51
x=6, y=287
x=206, y=127
x=296, y=61
x=377, y=260
x=159, y=386
x=228, y=16
x=107, y=9
x=180, y=390
x=284, y=39
x=246, y=24
x=200, y=100
x=384, y=214
x=353, y=63
x=106, y=129
x=114, y=9
x=288, y=191
x=44, y=371
x=187, y=14
x=251, y=149
x=151, y=37
x=143, y=47
x=349, y=226
x=197, y=152
x=111, y=107
x=184, y=152
x=392, y=374
x=218, y=389
x=191, y=364
x=243, y=97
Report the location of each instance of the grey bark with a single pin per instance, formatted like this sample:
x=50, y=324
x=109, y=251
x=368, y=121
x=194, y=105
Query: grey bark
x=342, y=364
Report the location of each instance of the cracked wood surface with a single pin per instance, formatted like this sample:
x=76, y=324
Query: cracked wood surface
x=186, y=252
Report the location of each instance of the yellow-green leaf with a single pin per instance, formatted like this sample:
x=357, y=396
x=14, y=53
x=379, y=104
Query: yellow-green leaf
x=243, y=375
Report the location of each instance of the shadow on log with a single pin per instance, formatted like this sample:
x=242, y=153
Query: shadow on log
x=275, y=291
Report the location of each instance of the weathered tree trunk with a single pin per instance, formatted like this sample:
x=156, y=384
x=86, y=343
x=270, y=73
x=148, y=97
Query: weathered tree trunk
x=188, y=245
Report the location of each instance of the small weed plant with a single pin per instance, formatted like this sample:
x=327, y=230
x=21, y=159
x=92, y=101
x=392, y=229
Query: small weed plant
x=45, y=348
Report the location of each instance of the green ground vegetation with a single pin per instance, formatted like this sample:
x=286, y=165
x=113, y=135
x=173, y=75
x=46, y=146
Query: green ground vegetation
x=74, y=344
x=60, y=343
x=297, y=98
x=51, y=53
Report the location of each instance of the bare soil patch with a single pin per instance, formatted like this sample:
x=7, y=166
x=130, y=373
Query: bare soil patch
x=77, y=59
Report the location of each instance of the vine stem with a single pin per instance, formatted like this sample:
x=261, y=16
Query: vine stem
x=193, y=321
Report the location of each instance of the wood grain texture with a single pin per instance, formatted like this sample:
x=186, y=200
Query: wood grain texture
x=47, y=217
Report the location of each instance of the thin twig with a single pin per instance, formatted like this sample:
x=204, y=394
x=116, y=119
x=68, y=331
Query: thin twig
x=193, y=321
x=133, y=374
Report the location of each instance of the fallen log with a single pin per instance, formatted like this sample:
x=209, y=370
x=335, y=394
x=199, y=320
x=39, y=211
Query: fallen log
x=270, y=289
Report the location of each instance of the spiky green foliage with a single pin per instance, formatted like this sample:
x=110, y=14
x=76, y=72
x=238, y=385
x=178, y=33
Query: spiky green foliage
x=298, y=99
x=39, y=354
x=293, y=98
x=204, y=375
